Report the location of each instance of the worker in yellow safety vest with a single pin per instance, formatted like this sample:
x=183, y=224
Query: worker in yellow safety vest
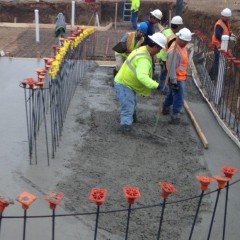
x=135, y=5
x=135, y=77
x=221, y=27
x=169, y=33
x=177, y=64
x=131, y=40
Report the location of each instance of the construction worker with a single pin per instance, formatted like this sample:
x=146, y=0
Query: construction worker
x=131, y=40
x=154, y=18
x=135, y=77
x=135, y=5
x=169, y=33
x=177, y=63
x=221, y=27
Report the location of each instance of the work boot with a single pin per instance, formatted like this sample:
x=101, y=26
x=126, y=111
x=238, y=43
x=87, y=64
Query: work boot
x=125, y=129
x=165, y=110
x=175, y=119
x=135, y=120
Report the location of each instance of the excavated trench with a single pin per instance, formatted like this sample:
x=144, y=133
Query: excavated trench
x=24, y=13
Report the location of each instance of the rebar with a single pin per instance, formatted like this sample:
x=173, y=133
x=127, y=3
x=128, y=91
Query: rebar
x=161, y=219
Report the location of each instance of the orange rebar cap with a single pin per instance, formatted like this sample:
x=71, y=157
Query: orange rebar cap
x=28, y=83
x=26, y=199
x=229, y=171
x=4, y=202
x=98, y=196
x=221, y=181
x=205, y=181
x=54, y=199
x=131, y=194
x=167, y=188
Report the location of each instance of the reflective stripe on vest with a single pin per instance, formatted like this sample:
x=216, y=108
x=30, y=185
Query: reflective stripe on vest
x=181, y=71
x=226, y=31
x=129, y=62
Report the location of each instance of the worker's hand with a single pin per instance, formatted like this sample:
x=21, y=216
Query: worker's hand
x=233, y=37
x=174, y=87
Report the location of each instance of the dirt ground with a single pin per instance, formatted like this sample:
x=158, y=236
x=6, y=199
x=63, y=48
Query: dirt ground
x=21, y=42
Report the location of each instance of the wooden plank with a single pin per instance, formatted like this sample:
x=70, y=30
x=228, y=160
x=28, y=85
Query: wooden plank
x=196, y=125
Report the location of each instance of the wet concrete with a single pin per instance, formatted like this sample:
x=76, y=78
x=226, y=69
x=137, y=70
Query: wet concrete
x=222, y=152
x=16, y=175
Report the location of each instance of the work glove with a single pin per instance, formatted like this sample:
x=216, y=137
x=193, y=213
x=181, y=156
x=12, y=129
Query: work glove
x=233, y=37
x=174, y=87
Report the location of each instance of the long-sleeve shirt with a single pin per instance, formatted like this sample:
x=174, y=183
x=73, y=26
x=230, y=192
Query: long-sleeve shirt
x=135, y=5
x=150, y=31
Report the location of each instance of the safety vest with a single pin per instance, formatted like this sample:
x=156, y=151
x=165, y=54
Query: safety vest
x=135, y=5
x=130, y=44
x=127, y=75
x=181, y=71
x=226, y=31
x=169, y=34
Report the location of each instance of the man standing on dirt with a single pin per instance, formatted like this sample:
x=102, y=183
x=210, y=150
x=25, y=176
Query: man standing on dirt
x=135, y=77
x=130, y=41
x=177, y=64
x=134, y=13
x=221, y=27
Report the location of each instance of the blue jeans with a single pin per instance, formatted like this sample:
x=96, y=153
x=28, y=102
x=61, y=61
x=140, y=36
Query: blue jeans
x=175, y=98
x=128, y=102
x=163, y=80
x=134, y=18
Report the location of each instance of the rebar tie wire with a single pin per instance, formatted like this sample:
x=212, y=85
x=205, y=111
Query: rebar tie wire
x=122, y=210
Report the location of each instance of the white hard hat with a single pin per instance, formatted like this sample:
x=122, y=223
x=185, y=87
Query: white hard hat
x=226, y=12
x=177, y=20
x=185, y=34
x=159, y=39
x=157, y=14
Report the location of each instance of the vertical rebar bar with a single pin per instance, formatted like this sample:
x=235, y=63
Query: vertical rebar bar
x=213, y=215
x=53, y=224
x=195, y=218
x=0, y=222
x=161, y=219
x=45, y=125
x=96, y=225
x=24, y=223
x=225, y=211
x=128, y=221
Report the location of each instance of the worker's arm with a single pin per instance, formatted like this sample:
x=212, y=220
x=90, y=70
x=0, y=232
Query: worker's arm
x=218, y=32
x=143, y=70
x=135, y=5
x=174, y=64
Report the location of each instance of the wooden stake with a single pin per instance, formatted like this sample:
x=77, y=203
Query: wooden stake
x=196, y=125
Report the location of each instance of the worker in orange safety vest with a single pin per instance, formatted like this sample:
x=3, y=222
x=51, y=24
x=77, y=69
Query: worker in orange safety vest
x=177, y=64
x=222, y=27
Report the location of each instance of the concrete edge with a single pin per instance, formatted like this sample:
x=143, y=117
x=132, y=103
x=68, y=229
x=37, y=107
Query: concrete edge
x=50, y=26
x=219, y=120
